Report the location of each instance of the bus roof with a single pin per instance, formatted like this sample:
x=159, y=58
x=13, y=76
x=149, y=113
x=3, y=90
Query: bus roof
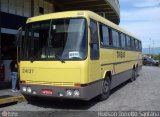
x=74, y=14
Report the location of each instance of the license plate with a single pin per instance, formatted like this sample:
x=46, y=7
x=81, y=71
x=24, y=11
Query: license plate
x=47, y=92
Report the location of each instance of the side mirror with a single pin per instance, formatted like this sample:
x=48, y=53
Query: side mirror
x=19, y=37
x=92, y=44
x=19, y=42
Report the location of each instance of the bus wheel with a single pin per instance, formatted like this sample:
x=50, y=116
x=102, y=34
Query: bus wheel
x=105, y=89
x=29, y=99
x=134, y=75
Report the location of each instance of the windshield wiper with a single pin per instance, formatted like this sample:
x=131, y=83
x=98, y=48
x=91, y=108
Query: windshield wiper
x=59, y=58
x=32, y=59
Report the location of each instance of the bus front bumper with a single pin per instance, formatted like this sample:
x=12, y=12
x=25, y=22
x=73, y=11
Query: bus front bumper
x=62, y=92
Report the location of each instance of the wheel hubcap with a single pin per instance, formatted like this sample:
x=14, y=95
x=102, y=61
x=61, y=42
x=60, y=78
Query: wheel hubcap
x=106, y=87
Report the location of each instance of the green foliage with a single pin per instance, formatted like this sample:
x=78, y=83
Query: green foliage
x=157, y=57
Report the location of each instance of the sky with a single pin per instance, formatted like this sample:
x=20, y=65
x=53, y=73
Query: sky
x=142, y=18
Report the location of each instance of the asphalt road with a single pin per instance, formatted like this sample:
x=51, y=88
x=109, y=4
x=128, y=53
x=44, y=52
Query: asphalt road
x=140, y=95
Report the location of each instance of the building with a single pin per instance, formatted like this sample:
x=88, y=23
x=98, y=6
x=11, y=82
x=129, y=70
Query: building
x=14, y=13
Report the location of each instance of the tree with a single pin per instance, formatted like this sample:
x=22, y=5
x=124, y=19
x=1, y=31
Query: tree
x=157, y=57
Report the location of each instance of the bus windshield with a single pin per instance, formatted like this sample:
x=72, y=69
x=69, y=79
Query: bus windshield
x=63, y=39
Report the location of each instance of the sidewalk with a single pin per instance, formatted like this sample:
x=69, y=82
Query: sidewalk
x=7, y=96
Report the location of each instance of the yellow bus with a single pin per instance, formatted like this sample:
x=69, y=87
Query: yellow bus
x=76, y=55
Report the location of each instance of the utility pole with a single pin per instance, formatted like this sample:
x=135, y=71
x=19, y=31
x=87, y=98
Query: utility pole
x=150, y=47
x=153, y=47
x=149, y=50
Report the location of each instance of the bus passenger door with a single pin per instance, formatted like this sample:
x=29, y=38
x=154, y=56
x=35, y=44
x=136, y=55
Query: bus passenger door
x=94, y=64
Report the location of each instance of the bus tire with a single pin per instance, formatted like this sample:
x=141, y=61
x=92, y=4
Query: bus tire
x=134, y=75
x=105, y=89
x=29, y=99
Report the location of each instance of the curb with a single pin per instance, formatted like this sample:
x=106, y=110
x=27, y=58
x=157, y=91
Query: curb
x=12, y=99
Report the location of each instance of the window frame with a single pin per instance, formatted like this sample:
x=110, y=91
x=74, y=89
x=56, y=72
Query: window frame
x=48, y=59
x=117, y=39
x=133, y=43
x=136, y=45
x=101, y=36
x=126, y=48
x=92, y=57
x=129, y=47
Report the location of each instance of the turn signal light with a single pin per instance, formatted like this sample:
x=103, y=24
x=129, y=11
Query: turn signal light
x=22, y=81
x=77, y=84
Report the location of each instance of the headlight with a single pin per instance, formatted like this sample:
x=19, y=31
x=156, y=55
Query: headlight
x=69, y=93
x=24, y=89
x=76, y=93
x=29, y=90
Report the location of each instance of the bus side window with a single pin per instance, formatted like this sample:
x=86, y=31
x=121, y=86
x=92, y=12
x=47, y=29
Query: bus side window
x=136, y=44
x=133, y=43
x=123, y=41
x=115, y=39
x=104, y=35
x=128, y=42
x=94, y=52
x=120, y=43
x=110, y=37
x=140, y=46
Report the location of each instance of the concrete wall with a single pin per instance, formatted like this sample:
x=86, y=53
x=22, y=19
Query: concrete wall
x=46, y=6
x=23, y=7
x=116, y=6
